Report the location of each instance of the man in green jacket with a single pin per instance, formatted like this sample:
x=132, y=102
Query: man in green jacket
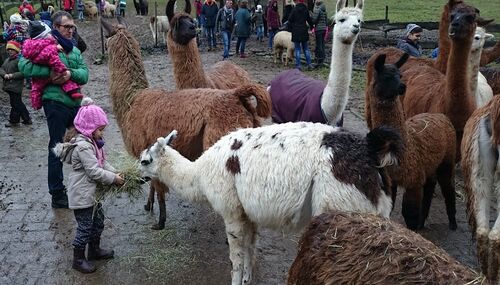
x=60, y=109
x=320, y=21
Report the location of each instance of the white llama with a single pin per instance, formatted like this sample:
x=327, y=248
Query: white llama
x=296, y=97
x=480, y=88
x=278, y=177
x=481, y=170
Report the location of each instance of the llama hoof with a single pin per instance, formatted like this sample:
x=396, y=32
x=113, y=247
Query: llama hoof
x=148, y=207
x=159, y=226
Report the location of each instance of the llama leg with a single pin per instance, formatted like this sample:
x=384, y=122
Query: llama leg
x=151, y=198
x=447, y=183
x=494, y=238
x=482, y=250
x=235, y=231
x=394, y=194
x=482, y=217
x=163, y=210
x=412, y=200
x=249, y=245
x=429, y=187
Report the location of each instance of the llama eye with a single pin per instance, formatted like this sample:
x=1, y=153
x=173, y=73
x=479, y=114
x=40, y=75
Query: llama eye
x=477, y=38
x=342, y=20
x=359, y=21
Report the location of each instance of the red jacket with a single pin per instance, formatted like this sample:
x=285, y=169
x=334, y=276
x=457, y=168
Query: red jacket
x=69, y=4
x=198, y=5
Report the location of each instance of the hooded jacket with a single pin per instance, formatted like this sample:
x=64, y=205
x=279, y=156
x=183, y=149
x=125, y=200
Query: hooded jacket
x=299, y=23
x=85, y=171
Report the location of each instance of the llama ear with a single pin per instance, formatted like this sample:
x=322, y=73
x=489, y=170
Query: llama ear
x=187, y=9
x=122, y=21
x=359, y=4
x=340, y=4
x=379, y=63
x=482, y=22
x=489, y=36
x=107, y=26
x=170, y=9
x=402, y=60
x=170, y=137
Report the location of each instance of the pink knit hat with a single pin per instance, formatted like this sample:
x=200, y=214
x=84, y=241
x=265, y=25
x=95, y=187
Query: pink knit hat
x=89, y=118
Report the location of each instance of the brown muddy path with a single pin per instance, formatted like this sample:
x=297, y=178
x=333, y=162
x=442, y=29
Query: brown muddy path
x=35, y=240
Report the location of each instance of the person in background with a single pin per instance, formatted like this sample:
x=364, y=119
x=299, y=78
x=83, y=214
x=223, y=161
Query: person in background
x=69, y=5
x=257, y=18
x=26, y=6
x=320, y=21
x=410, y=42
x=13, y=85
x=59, y=109
x=85, y=153
x=80, y=7
x=273, y=21
x=209, y=12
x=17, y=30
x=122, y=6
x=198, y=5
x=225, y=24
x=287, y=10
x=299, y=23
x=242, y=28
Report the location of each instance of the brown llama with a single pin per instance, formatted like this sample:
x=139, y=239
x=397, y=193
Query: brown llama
x=186, y=60
x=429, y=141
x=428, y=90
x=490, y=54
x=481, y=171
x=201, y=116
x=356, y=248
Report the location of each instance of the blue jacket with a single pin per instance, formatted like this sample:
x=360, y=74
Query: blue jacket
x=411, y=48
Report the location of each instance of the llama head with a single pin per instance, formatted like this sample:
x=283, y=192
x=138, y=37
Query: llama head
x=347, y=21
x=480, y=38
x=111, y=29
x=150, y=158
x=463, y=21
x=182, y=26
x=388, y=84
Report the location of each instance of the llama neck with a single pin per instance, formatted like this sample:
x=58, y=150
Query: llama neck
x=458, y=79
x=389, y=113
x=180, y=175
x=127, y=74
x=188, y=70
x=474, y=59
x=336, y=92
x=444, y=41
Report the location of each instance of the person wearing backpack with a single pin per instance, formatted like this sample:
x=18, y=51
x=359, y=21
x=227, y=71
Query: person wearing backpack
x=225, y=24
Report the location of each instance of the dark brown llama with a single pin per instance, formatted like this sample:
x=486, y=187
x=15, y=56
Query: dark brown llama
x=201, y=116
x=429, y=140
x=490, y=54
x=354, y=248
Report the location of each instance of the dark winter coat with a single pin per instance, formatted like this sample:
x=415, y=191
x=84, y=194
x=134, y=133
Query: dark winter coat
x=209, y=12
x=15, y=84
x=242, y=19
x=298, y=23
x=319, y=17
x=222, y=18
x=286, y=13
x=273, y=17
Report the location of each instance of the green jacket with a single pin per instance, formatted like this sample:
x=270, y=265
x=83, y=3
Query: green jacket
x=15, y=84
x=77, y=67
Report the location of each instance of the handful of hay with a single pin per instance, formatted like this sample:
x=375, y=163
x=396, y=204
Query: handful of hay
x=127, y=166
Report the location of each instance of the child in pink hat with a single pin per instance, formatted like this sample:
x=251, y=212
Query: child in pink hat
x=85, y=154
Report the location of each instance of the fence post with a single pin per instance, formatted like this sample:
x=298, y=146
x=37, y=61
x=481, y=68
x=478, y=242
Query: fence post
x=387, y=19
x=156, y=24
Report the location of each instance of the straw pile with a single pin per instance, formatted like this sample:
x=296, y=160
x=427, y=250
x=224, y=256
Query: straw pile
x=348, y=248
x=128, y=167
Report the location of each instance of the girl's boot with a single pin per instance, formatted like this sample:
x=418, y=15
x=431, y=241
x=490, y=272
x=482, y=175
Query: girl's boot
x=96, y=252
x=80, y=263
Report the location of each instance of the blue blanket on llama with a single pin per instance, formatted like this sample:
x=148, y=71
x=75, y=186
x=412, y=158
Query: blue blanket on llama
x=297, y=98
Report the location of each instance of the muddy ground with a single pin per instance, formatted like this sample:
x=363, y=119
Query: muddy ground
x=35, y=240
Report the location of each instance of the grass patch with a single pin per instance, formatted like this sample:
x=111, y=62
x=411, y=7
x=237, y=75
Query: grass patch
x=165, y=254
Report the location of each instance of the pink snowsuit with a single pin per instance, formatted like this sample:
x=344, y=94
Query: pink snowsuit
x=45, y=52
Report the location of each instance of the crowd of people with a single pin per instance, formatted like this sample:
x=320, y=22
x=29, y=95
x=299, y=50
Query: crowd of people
x=238, y=21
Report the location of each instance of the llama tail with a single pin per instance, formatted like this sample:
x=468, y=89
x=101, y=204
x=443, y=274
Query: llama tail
x=385, y=146
x=255, y=99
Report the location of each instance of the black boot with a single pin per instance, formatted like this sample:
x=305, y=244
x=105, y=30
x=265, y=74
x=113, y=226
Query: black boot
x=96, y=252
x=80, y=263
x=60, y=200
